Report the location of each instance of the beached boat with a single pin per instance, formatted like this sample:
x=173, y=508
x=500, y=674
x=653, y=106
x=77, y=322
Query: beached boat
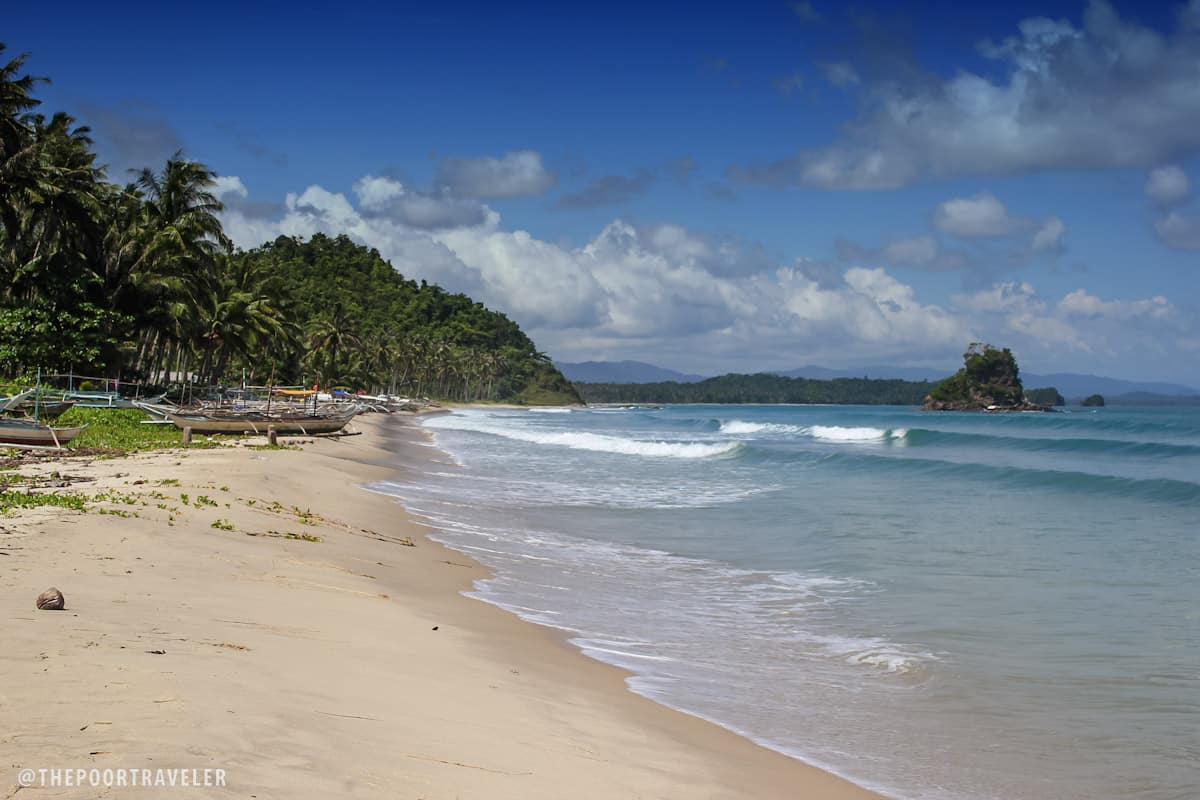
x=217, y=421
x=28, y=433
x=45, y=409
x=11, y=403
x=106, y=399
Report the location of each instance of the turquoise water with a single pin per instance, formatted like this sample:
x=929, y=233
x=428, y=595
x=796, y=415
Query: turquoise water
x=934, y=605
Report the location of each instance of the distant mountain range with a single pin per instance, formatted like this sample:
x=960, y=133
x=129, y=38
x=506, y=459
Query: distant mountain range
x=1069, y=384
x=622, y=372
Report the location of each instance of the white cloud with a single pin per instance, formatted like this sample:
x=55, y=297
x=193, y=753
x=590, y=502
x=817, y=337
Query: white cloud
x=1167, y=185
x=1180, y=231
x=224, y=185
x=1110, y=94
x=1081, y=303
x=1049, y=237
x=388, y=197
x=1002, y=298
x=515, y=174
x=981, y=215
x=984, y=216
x=375, y=193
x=1081, y=322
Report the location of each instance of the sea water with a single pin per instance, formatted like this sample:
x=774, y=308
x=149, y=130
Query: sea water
x=933, y=605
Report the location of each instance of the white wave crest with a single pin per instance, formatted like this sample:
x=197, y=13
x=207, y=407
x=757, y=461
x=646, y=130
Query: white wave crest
x=836, y=433
x=744, y=427
x=630, y=447
x=827, y=433
x=595, y=442
x=741, y=426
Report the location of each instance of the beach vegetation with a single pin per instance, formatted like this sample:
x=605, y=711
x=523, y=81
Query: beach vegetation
x=119, y=429
x=139, y=280
x=222, y=525
x=11, y=500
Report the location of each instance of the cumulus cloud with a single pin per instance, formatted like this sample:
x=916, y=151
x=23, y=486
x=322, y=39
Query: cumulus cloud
x=1111, y=93
x=516, y=174
x=1180, y=231
x=387, y=197
x=981, y=215
x=648, y=290
x=1080, y=321
x=1011, y=297
x=1049, y=236
x=224, y=185
x=1167, y=185
x=984, y=216
x=998, y=239
x=1081, y=303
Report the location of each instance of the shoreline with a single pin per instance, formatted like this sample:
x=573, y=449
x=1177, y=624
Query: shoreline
x=292, y=649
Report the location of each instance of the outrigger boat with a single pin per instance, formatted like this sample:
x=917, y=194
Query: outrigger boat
x=28, y=433
x=106, y=399
x=217, y=421
x=52, y=409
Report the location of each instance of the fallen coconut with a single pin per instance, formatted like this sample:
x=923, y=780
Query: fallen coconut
x=51, y=600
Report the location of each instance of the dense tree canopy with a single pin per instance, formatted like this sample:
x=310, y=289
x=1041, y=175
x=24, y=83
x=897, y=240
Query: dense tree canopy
x=761, y=388
x=140, y=281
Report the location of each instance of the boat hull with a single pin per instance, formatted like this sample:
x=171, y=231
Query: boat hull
x=260, y=423
x=24, y=433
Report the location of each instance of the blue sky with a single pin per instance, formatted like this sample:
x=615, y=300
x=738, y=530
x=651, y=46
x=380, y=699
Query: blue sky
x=708, y=187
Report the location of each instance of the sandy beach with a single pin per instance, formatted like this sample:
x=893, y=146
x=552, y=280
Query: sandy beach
x=258, y=612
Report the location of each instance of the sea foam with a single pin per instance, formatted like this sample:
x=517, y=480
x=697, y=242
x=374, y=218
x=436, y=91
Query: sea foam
x=577, y=440
x=828, y=433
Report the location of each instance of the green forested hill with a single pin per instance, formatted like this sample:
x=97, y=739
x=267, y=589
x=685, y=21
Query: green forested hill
x=761, y=388
x=368, y=325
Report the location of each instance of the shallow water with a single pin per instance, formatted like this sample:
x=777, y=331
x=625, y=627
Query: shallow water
x=935, y=605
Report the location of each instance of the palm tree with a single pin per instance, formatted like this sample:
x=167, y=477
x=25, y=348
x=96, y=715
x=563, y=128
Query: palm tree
x=239, y=314
x=329, y=339
x=163, y=249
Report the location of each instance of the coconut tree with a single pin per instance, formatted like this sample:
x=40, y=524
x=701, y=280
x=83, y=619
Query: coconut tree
x=169, y=253
x=329, y=339
x=239, y=314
